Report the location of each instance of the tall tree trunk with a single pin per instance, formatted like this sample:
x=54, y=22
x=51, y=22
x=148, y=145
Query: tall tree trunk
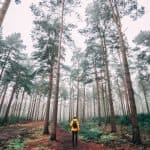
x=70, y=102
x=73, y=102
x=84, y=99
x=38, y=108
x=98, y=94
x=94, y=103
x=20, y=107
x=125, y=87
x=3, y=97
x=43, y=112
x=24, y=112
x=113, y=124
x=3, y=10
x=3, y=67
x=60, y=110
x=146, y=101
x=136, y=139
x=5, y=119
x=2, y=91
x=55, y=108
x=77, y=106
x=29, y=108
x=103, y=100
x=121, y=98
x=46, y=123
x=33, y=107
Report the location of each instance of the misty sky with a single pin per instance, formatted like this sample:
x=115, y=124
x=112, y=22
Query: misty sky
x=19, y=19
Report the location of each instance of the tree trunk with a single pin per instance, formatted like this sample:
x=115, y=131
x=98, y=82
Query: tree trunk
x=136, y=139
x=29, y=108
x=55, y=108
x=46, y=123
x=2, y=90
x=20, y=108
x=3, y=67
x=146, y=101
x=3, y=97
x=24, y=113
x=3, y=10
x=125, y=88
x=60, y=110
x=43, y=113
x=103, y=100
x=77, y=107
x=73, y=102
x=84, y=99
x=5, y=119
x=94, y=103
x=70, y=102
x=33, y=107
x=98, y=94
x=121, y=99
x=113, y=124
x=38, y=108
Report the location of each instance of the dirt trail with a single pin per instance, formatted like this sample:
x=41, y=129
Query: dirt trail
x=63, y=143
x=35, y=140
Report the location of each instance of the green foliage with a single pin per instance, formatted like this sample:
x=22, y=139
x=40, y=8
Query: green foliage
x=90, y=131
x=16, y=144
x=13, y=120
x=107, y=139
x=144, y=123
x=65, y=125
x=123, y=120
x=90, y=134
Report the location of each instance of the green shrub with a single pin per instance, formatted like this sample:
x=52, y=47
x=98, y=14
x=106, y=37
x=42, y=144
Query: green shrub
x=65, y=125
x=123, y=120
x=107, y=139
x=13, y=120
x=16, y=144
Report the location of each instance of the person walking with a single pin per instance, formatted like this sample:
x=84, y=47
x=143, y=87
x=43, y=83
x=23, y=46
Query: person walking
x=75, y=127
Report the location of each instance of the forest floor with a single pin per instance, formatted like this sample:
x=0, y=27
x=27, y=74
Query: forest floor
x=33, y=139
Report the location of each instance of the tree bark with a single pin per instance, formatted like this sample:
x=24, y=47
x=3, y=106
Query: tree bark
x=84, y=99
x=146, y=101
x=113, y=124
x=5, y=119
x=121, y=99
x=3, y=97
x=98, y=94
x=136, y=138
x=3, y=10
x=55, y=108
x=94, y=103
x=20, y=107
x=77, y=107
x=46, y=123
x=70, y=102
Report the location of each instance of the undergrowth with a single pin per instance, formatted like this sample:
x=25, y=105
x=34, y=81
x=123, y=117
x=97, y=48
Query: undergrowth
x=90, y=131
x=13, y=120
x=16, y=144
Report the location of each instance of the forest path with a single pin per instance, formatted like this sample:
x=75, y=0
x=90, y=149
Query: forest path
x=35, y=140
x=63, y=142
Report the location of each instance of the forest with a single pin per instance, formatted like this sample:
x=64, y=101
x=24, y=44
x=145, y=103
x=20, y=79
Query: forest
x=81, y=66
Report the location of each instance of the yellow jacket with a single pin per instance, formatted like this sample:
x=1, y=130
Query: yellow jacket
x=71, y=125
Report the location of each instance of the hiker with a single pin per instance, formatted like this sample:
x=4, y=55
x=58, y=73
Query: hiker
x=74, y=125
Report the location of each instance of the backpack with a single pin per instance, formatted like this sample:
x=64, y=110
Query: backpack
x=74, y=124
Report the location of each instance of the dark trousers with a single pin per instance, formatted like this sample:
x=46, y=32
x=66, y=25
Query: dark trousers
x=74, y=137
